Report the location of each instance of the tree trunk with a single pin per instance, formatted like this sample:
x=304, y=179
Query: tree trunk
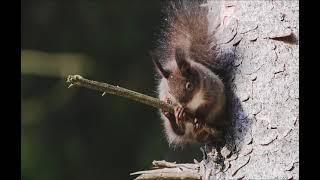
x=259, y=40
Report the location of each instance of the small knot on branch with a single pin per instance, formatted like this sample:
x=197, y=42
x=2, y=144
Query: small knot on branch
x=73, y=78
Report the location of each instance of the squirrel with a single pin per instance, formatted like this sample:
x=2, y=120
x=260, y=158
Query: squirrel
x=184, y=60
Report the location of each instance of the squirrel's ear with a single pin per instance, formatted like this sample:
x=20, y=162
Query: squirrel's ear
x=182, y=62
x=163, y=72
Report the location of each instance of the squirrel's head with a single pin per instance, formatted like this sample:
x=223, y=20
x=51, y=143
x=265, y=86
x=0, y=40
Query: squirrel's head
x=183, y=79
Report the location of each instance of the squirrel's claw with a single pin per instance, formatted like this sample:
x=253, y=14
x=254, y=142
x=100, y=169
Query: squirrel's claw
x=179, y=113
x=198, y=124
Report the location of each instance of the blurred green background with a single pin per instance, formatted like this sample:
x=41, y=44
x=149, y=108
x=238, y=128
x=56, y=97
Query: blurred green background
x=75, y=133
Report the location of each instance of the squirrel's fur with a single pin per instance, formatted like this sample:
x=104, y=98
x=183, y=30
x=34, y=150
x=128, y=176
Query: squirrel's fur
x=184, y=57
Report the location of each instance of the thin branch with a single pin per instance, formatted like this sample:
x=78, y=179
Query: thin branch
x=170, y=176
x=77, y=80
x=167, y=170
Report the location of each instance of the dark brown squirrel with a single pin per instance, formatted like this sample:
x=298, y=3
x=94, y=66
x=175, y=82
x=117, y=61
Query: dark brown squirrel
x=183, y=59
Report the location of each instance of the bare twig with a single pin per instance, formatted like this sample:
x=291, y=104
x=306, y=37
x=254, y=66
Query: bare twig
x=77, y=80
x=171, y=176
x=167, y=170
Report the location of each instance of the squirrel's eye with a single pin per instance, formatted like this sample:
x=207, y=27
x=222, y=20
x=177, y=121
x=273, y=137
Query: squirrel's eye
x=188, y=86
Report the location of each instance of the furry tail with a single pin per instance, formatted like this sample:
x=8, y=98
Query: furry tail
x=186, y=27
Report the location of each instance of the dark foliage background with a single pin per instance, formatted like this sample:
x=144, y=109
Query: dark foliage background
x=75, y=133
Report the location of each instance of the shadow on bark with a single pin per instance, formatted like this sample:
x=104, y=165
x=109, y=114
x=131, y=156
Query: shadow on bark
x=240, y=123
